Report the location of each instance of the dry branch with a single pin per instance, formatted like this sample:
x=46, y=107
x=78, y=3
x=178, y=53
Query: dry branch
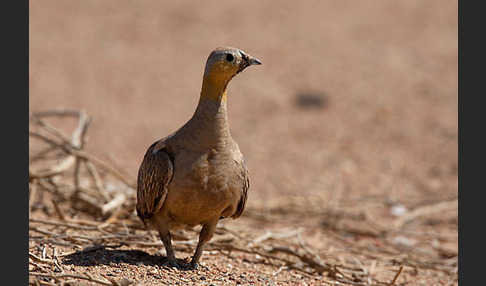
x=424, y=211
x=39, y=259
x=57, y=113
x=73, y=147
x=74, y=158
x=75, y=276
x=396, y=276
x=98, y=182
x=114, y=204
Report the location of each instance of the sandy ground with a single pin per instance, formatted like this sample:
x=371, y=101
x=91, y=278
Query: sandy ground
x=379, y=130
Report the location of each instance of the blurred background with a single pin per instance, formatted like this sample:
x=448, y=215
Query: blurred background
x=354, y=99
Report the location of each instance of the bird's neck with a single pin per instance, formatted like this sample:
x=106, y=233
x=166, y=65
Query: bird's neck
x=210, y=120
x=214, y=89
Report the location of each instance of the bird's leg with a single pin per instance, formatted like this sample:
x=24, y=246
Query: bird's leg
x=166, y=239
x=205, y=235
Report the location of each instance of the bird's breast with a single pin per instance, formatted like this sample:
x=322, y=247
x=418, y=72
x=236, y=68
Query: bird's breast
x=203, y=171
x=204, y=185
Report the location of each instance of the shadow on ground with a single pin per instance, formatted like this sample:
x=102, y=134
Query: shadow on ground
x=102, y=255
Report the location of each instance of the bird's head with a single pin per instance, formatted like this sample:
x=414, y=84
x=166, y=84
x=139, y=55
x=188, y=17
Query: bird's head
x=226, y=62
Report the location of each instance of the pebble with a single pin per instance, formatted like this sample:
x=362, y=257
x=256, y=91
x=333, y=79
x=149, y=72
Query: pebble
x=398, y=210
x=403, y=241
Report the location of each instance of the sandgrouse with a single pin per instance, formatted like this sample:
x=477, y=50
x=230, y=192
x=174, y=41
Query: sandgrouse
x=197, y=175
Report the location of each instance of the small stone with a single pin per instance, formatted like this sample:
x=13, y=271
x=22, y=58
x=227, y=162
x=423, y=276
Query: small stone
x=403, y=241
x=398, y=210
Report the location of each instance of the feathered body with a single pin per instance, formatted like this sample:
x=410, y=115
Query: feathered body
x=197, y=175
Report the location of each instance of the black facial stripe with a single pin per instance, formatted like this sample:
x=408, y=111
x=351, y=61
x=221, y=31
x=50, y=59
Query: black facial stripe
x=245, y=57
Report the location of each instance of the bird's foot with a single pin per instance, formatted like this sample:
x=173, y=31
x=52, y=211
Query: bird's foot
x=173, y=263
x=193, y=265
x=196, y=266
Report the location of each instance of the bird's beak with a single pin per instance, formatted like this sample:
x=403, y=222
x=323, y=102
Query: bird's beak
x=254, y=61
x=248, y=61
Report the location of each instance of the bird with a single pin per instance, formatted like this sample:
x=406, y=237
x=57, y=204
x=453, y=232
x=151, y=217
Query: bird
x=197, y=175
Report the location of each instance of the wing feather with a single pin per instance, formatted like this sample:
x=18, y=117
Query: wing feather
x=154, y=176
x=244, y=191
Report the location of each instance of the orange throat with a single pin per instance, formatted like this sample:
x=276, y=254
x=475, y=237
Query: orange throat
x=214, y=89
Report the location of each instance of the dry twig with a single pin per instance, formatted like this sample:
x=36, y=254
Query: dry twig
x=396, y=276
x=424, y=211
x=75, y=276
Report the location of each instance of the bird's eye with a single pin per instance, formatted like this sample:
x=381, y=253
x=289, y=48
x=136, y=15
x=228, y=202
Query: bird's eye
x=230, y=57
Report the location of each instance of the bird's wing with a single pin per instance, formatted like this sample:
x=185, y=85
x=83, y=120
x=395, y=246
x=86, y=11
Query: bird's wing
x=154, y=175
x=244, y=191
